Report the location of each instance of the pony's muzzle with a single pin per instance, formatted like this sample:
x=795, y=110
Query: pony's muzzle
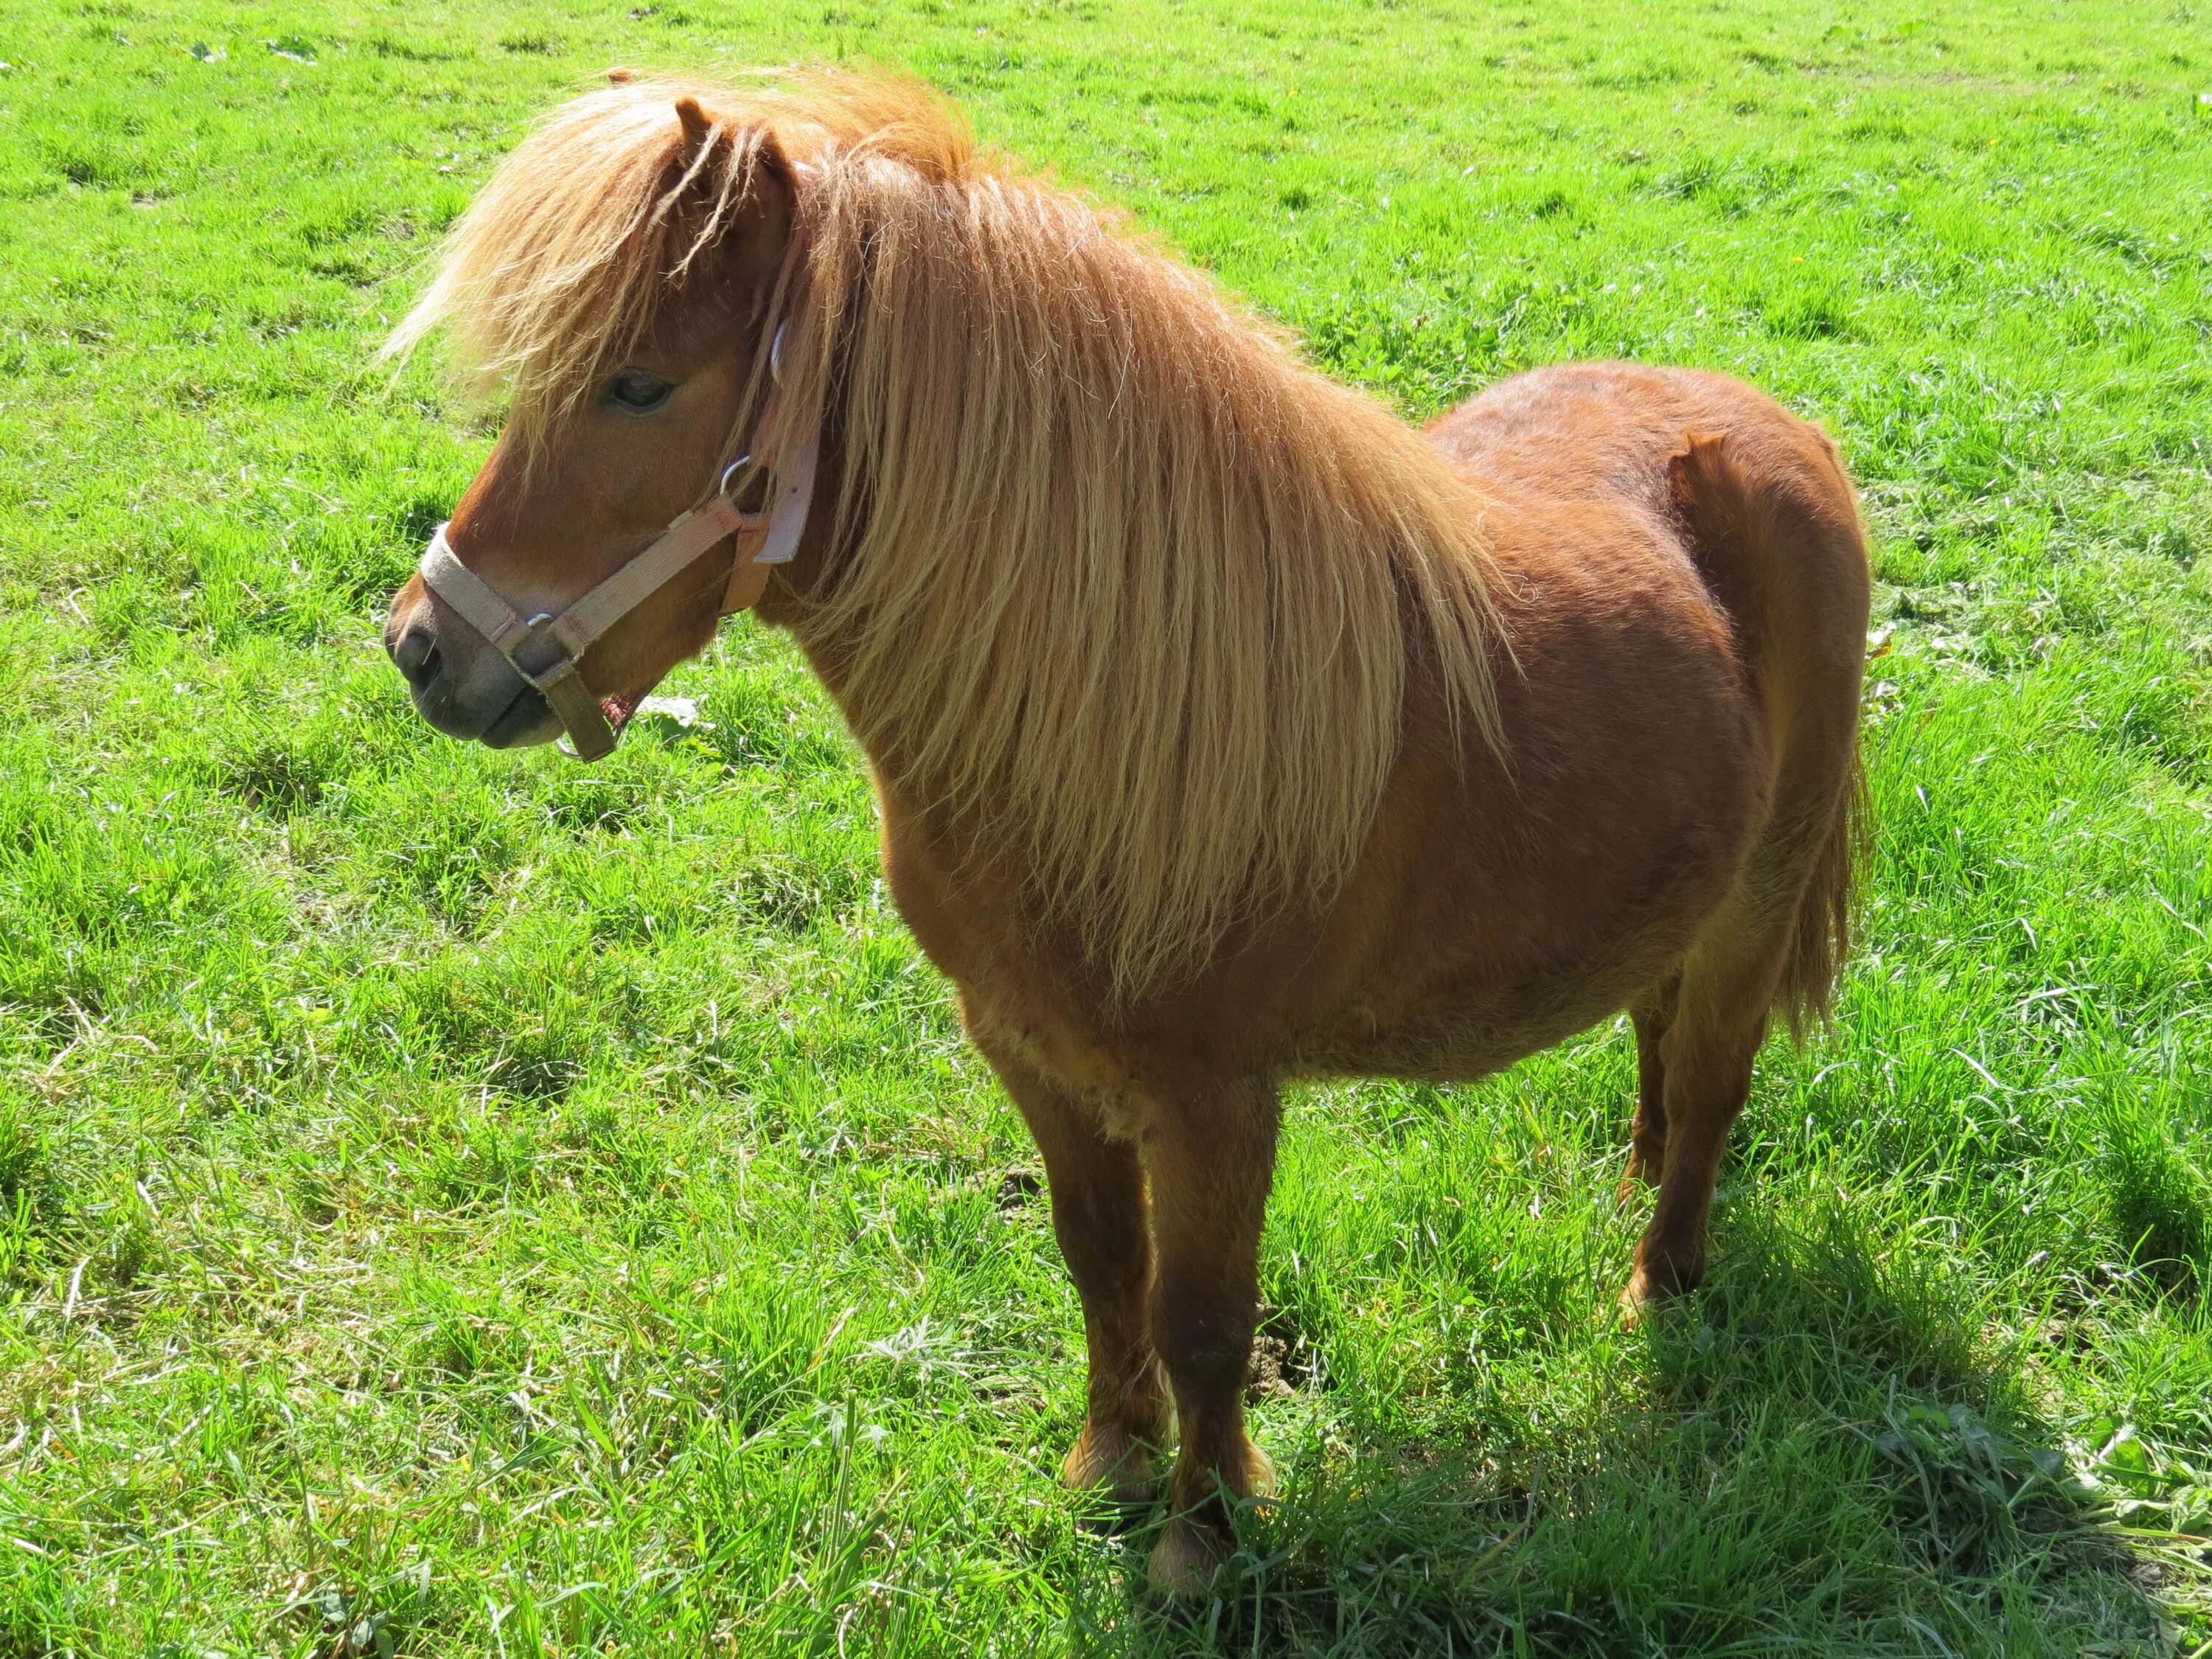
x=458, y=684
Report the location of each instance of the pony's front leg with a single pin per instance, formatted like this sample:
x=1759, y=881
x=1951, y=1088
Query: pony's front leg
x=1098, y=1190
x=1210, y=1153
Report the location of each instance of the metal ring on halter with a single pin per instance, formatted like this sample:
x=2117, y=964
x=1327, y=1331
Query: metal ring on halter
x=775, y=372
x=775, y=375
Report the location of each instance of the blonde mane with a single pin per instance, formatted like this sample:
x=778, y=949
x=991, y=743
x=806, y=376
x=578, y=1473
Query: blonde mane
x=1116, y=578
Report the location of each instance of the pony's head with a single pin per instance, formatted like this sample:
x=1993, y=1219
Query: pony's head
x=620, y=278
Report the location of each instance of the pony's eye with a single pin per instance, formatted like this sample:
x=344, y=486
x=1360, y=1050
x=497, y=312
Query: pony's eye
x=634, y=392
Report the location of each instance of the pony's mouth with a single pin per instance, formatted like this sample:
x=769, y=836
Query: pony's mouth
x=527, y=719
x=618, y=710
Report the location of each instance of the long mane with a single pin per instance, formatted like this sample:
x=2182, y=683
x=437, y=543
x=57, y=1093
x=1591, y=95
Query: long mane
x=1117, y=579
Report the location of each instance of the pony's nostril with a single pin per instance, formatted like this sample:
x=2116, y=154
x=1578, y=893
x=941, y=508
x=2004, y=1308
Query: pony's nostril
x=416, y=651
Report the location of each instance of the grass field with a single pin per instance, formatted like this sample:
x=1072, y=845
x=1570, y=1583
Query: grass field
x=455, y=1203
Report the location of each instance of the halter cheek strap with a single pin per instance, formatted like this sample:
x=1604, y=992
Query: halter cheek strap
x=546, y=648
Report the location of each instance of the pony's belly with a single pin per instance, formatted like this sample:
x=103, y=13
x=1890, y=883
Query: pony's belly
x=1464, y=1034
x=1458, y=1021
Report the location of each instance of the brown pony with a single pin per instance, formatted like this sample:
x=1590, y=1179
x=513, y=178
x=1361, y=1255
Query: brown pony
x=1226, y=729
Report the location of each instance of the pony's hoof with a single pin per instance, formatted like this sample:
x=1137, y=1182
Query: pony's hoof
x=1187, y=1560
x=1113, y=1463
x=1635, y=1303
x=1650, y=1290
x=1259, y=1473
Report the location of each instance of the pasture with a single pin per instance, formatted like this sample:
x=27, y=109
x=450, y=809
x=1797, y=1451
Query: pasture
x=460, y=1203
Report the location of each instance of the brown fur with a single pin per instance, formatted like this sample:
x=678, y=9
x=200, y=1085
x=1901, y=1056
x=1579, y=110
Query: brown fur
x=1225, y=730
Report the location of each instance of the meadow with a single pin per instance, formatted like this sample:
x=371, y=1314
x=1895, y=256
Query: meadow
x=458, y=1203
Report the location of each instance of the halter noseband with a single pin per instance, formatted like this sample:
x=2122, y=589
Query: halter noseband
x=775, y=530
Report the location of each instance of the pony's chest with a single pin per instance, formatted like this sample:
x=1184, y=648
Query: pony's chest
x=1016, y=996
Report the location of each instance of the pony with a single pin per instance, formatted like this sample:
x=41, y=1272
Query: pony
x=1226, y=729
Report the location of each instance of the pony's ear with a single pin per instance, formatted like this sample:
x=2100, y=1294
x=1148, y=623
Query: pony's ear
x=772, y=170
x=698, y=129
x=764, y=223
x=749, y=233
x=775, y=182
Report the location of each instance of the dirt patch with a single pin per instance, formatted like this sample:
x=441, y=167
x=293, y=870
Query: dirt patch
x=1283, y=1362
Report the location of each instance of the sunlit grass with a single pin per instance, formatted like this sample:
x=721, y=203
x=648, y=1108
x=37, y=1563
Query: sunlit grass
x=480, y=1204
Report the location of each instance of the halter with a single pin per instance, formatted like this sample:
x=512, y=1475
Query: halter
x=777, y=529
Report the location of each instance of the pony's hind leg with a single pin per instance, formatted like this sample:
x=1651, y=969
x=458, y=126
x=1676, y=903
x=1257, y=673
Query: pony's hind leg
x=1210, y=1155
x=1778, y=538
x=1703, y=1066
x=1097, y=1187
x=1651, y=1014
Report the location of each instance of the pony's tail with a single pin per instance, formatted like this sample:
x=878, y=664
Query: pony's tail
x=1822, y=940
x=1777, y=526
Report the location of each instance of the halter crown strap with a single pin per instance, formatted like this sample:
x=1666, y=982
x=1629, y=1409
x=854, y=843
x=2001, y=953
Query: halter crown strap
x=553, y=645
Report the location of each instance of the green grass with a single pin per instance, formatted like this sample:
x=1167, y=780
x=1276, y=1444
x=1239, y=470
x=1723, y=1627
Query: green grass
x=491, y=1207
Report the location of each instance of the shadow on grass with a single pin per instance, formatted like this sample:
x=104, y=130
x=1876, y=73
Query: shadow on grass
x=1810, y=1454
